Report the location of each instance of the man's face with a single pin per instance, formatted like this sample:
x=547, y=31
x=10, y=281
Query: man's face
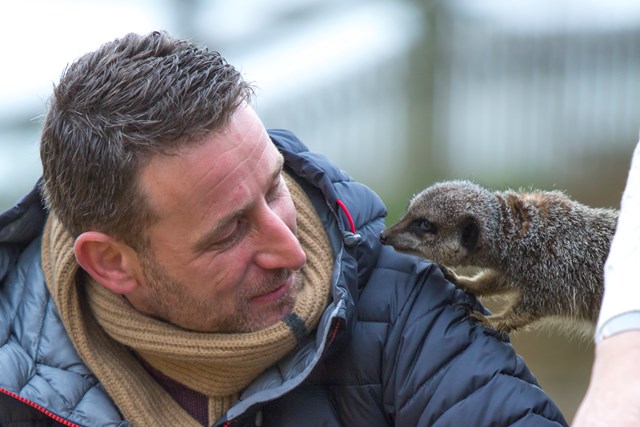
x=223, y=255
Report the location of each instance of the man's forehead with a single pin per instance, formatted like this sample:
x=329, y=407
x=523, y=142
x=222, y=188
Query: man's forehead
x=215, y=168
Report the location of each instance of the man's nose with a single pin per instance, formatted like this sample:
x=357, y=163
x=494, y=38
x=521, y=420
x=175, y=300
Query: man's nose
x=280, y=247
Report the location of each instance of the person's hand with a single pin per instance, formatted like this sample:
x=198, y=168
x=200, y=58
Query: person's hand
x=613, y=396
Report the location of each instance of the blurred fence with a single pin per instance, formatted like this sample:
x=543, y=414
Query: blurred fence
x=346, y=93
x=512, y=101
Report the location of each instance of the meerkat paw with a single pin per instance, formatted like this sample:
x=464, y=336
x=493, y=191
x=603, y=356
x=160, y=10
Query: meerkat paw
x=492, y=322
x=480, y=318
x=461, y=282
x=449, y=274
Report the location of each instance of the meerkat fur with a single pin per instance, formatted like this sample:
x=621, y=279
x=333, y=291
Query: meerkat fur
x=542, y=249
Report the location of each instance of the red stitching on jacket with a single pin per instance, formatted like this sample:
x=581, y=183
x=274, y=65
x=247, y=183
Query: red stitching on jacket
x=346, y=212
x=39, y=408
x=335, y=332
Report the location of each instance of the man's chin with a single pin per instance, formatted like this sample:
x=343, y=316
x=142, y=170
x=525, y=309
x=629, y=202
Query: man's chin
x=277, y=310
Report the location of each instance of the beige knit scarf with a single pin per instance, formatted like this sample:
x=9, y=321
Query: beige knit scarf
x=104, y=328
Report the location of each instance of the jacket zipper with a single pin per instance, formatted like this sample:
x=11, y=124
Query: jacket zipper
x=40, y=408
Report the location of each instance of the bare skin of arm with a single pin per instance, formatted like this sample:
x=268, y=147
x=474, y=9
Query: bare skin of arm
x=613, y=396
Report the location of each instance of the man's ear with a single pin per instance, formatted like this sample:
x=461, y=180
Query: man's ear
x=110, y=262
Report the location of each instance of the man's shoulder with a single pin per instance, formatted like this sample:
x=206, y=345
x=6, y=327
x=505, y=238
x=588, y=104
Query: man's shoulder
x=41, y=368
x=402, y=288
x=426, y=337
x=23, y=221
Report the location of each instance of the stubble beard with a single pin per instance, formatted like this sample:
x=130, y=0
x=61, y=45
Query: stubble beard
x=247, y=320
x=171, y=302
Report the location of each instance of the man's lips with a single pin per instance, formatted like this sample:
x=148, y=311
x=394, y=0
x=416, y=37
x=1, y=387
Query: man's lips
x=276, y=294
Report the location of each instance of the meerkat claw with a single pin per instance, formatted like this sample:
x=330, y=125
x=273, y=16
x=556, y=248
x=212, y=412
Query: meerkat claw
x=481, y=318
x=460, y=282
x=490, y=322
x=449, y=274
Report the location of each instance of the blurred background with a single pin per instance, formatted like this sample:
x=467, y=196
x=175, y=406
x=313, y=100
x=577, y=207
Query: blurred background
x=400, y=93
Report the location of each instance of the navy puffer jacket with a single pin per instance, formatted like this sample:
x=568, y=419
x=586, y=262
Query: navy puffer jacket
x=394, y=347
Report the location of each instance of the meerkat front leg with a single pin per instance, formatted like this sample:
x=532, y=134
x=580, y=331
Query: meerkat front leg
x=486, y=283
x=516, y=316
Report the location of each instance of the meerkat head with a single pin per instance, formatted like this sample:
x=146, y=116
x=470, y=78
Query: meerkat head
x=447, y=223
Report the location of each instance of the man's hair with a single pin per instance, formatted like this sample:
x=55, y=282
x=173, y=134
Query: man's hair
x=115, y=108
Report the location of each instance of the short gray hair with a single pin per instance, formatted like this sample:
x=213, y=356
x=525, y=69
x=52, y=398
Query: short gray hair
x=115, y=108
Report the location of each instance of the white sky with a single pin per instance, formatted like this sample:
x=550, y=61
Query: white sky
x=40, y=37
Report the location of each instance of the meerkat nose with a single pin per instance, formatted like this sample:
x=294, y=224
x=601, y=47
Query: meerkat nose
x=383, y=238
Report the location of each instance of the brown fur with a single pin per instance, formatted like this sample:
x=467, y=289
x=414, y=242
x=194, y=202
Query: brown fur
x=542, y=248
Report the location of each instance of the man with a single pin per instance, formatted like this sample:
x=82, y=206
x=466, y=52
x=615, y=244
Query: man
x=199, y=270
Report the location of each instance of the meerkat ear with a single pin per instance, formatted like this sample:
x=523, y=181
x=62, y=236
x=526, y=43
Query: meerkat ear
x=470, y=233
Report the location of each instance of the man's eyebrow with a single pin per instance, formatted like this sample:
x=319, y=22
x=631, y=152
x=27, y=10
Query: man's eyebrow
x=211, y=237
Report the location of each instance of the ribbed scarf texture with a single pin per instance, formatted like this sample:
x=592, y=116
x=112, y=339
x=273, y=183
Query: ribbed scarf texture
x=104, y=328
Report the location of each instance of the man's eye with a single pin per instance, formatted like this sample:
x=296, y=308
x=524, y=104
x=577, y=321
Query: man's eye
x=230, y=235
x=276, y=190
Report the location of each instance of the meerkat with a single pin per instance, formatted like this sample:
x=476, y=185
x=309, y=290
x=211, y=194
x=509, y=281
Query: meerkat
x=543, y=249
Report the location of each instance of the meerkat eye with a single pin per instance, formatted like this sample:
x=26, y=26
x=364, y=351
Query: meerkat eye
x=422, y=225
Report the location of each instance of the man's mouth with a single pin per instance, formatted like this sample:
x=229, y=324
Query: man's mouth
x=276, y=294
